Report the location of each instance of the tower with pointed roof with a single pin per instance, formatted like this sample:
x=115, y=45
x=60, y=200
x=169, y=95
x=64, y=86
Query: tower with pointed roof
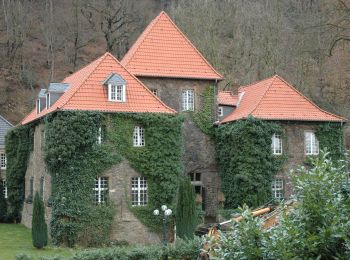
x=166, y=61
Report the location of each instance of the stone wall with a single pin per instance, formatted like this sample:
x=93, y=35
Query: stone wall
x=126, y=227
x=199, y=149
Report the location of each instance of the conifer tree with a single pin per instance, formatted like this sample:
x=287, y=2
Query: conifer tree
x=186, y=219
x=39, y=227
x=3, y=204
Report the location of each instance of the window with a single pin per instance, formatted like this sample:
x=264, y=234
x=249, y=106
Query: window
x=38, y=106
x=139, y=136
x=276, y=144
x=47, y=100
x=116, y=93
x=187, y=100
x=220, y=111
x=138, y=191
x=42, y=187
x=277, y=189
x=3, y=161
x=101, y=189
x=4, y=187
x=99, y=136
x=311, y=143
x=31, y=187
x=195, y=176
x=155, y=92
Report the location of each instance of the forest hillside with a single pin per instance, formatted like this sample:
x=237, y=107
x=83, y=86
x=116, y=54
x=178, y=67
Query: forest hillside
x=304, y=41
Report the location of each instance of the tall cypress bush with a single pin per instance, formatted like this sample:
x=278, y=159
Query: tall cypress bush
x=39, y=227
x=3, y=205
x=186, y=210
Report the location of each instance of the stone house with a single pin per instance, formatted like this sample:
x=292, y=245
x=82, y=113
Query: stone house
x=274, y=99
x=106, y=86
x=165, y=60
x=5, y=126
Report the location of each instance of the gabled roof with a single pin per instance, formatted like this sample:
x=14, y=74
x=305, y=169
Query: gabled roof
x=162, y=50
x=227, y=98
x=87, y=92
x=276, y=99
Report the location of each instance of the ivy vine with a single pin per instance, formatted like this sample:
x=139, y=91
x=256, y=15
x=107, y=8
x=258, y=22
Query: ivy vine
x=246, y=163
x=19, y=144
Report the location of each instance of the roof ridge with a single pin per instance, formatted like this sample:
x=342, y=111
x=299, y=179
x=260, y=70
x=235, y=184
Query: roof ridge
x=198, y=52
x=310, y=101
x=256, y=82
x=82, y=82
x=262, y=96
x=144, y=86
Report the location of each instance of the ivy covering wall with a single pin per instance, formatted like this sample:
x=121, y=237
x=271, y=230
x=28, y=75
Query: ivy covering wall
x=74, y=160
x=331, y=137
x=246, y=163
x=19, y=144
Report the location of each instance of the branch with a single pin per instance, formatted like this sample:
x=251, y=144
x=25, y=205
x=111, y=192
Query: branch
x=341, y=38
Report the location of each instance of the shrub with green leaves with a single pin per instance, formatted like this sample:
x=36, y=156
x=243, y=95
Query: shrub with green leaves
x=246, y=163
x=39, y=226
x=186, y=214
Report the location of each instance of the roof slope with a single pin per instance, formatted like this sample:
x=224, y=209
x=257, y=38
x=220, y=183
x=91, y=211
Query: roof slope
x=4, y=127
x=276, y=99
x=162, y=50
x=87, y=92
x=227, y=98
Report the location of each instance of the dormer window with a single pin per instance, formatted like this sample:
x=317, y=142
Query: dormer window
x=116, y=88
x=38, y=106
x=47, y=100
x=116, y=93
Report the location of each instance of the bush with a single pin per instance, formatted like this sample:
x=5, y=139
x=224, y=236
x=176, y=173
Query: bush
x=186, y=215
x=39, y=227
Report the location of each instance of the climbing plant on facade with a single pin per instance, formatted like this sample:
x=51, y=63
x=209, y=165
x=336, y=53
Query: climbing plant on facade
x=247, y=165
x=19, y=144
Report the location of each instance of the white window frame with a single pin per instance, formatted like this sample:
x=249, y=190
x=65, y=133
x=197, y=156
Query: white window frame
x=100, y=189
x=188, y=96
x=276, y=144
x=4, y=185
x=312, y=146
x=116, y=93
x=48, y=100
x=155, y=92
x=220, y=111
x=3, y=161
x=139, y=136
x=99, y=136
x=139, y=196
x=277, y=188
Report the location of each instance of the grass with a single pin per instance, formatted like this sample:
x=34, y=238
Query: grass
x=17, y=239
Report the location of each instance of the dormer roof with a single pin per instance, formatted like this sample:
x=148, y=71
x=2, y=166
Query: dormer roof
x=58, y=87
x=87, y=92
x=162, y=50
x=114, y=79
x=275, y=99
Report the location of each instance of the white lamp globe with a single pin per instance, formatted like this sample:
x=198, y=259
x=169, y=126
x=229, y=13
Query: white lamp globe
x=164, y=207
x=168, y=212
x=156, y=212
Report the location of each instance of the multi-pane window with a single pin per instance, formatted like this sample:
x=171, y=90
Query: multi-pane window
x=188, y=100
x=276, y=144
x=139, y=136
x=220, y=111
x=99, y=136
x=155, y=91
x=116, y=93
x=42, y=187
x=47, y=100
x=101, y=190
x=138, y=191
x=195, y=176
x=4, y=187
x=3, y=161
x=31, y=187
x=277, y=189
x=38, y=106
x=311, y=143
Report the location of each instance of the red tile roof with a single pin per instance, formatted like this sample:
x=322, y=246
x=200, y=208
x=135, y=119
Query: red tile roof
x=162, y=50
x=227, y=98
x=87, y=92
x=276, y=99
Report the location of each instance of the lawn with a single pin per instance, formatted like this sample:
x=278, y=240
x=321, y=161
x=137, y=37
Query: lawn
x=16, y=239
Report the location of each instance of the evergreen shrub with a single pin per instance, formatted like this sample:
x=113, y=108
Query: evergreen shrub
x=39, y=226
